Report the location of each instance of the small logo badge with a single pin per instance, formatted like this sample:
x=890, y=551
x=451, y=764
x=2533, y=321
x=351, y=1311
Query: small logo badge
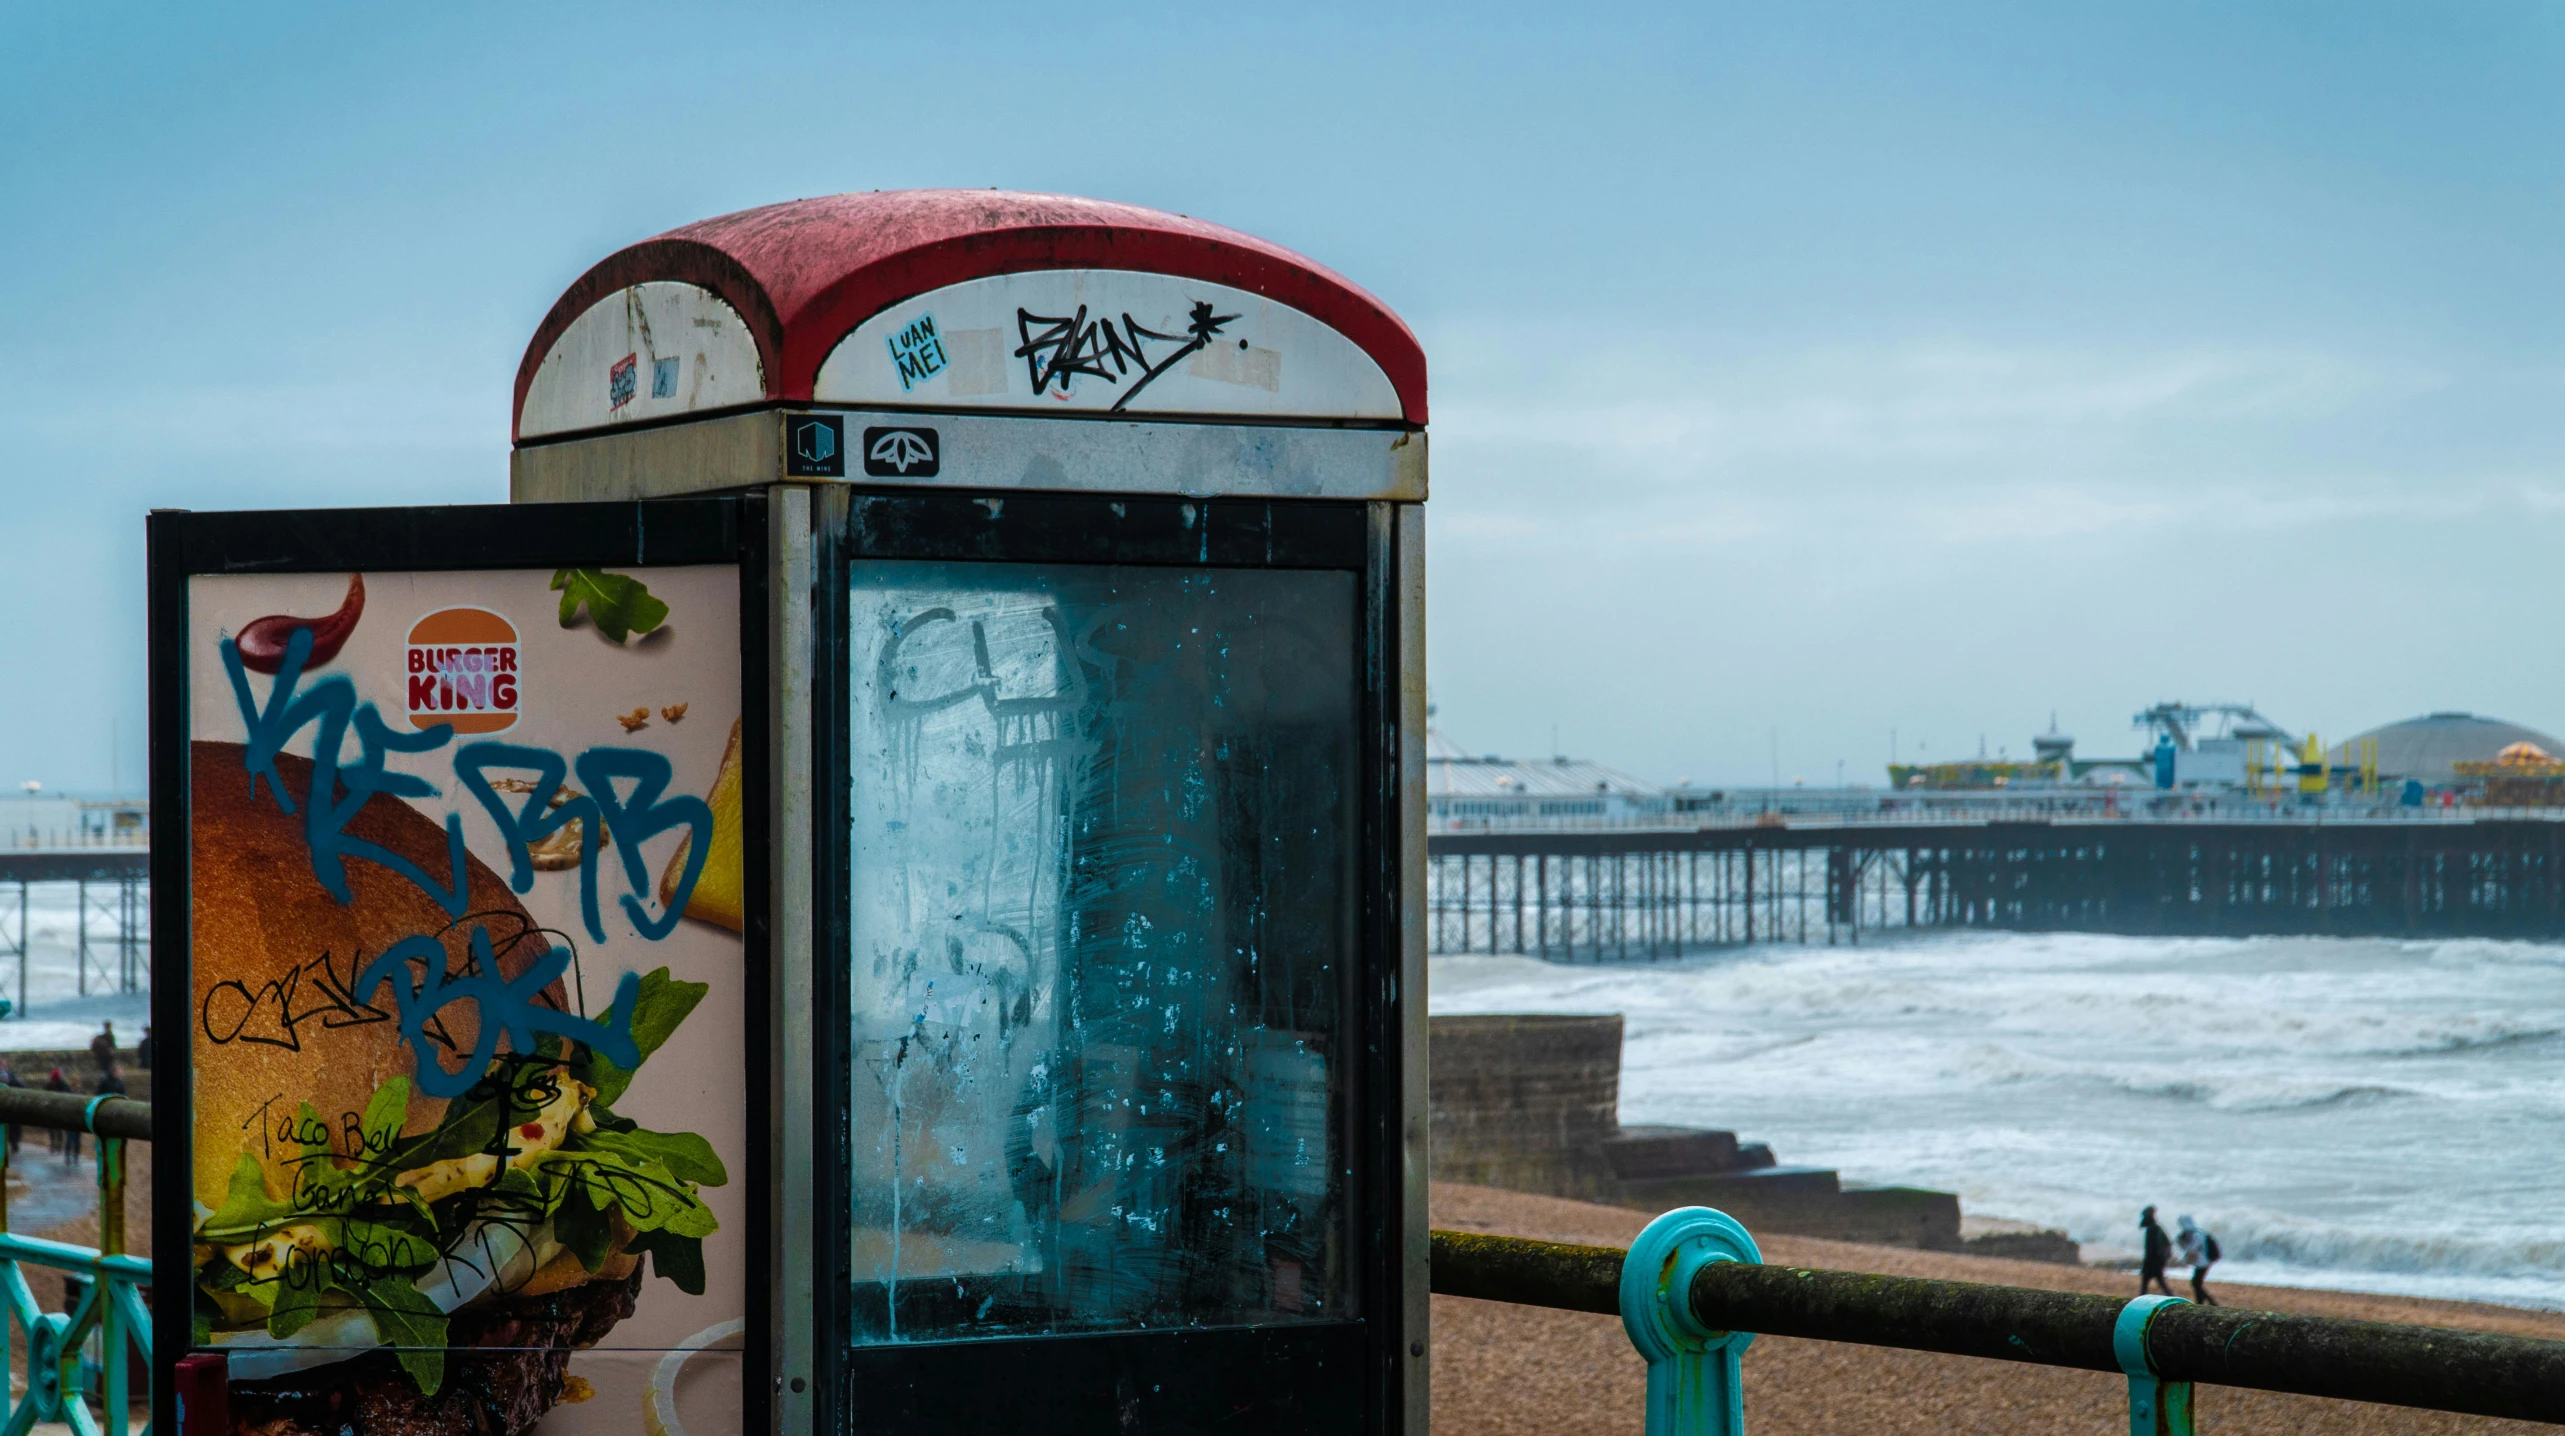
x=815, y=447
x=463, y=671
x=902, y=453
x=622, y=381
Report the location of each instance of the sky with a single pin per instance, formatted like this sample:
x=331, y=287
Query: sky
x=1804, y=378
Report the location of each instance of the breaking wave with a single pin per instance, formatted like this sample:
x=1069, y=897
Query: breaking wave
x=2344, y=1112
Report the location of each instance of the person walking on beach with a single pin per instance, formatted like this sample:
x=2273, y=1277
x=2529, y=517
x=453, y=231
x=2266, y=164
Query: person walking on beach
x=2199, y=1251
x=66, y=1145
x=102, y=1048
x=2157, y=1251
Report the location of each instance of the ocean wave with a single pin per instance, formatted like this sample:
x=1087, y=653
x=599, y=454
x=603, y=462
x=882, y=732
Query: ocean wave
x=2359, y=1113
x=2237, y=1092
x=2273, y=1238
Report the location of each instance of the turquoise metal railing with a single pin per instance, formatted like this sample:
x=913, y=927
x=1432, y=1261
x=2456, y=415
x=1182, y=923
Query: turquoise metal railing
x=64, y=1384
x=1693, y=1292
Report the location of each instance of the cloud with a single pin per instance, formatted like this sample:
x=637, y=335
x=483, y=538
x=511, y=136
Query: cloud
x=1877, y=402
x=1951, y=444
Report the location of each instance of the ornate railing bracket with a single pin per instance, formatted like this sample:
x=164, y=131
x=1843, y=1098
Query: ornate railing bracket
x=1694, y=1386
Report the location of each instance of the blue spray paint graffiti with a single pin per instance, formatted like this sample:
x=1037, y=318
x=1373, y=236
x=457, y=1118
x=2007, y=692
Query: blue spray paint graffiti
x=512, y=1008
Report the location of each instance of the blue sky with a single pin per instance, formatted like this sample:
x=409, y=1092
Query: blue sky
x=1824, y=370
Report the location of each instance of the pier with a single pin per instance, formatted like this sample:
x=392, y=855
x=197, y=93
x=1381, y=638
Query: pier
x=109, y=887
x=1602, y=895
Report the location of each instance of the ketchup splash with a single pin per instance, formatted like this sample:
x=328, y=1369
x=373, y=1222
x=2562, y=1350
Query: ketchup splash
x=262, y=643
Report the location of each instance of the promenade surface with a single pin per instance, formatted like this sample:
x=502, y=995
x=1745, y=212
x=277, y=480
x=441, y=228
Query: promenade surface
x=1502, y=1370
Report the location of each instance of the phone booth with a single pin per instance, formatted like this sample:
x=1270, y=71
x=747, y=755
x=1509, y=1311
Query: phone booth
x=1093, y=808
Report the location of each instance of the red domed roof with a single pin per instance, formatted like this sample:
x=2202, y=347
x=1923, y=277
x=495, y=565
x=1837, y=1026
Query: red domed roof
x=802, y=274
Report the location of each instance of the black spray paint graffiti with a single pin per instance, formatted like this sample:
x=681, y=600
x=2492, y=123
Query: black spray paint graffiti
x=1057, y=351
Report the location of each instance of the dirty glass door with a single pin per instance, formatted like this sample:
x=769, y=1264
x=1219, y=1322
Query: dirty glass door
x=1103, y=905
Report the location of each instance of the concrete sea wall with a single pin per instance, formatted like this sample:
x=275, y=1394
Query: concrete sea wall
x=1531, y=1102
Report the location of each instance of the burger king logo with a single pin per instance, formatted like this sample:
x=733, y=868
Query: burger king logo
x=463, y=671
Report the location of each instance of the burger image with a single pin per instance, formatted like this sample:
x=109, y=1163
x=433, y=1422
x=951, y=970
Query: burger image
x=371, y=1257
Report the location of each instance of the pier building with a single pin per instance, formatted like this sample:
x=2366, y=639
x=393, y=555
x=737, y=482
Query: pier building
x=1463, y=791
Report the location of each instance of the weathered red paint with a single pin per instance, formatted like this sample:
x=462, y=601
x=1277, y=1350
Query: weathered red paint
x=804, y=273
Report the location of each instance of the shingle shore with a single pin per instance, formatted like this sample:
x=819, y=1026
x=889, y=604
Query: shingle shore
x=1503, y=1370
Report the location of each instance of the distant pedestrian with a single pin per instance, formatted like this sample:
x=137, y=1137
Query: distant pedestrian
x=9, y=1078
x=2199, y=1251
x=2157, y=1251
x=102, y=1048
x=66, y=1145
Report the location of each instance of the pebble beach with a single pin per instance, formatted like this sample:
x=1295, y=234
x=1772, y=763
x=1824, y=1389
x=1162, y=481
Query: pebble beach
x=1503, y=1370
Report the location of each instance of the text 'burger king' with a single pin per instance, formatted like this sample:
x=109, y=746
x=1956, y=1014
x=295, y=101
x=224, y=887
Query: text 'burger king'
x=463, y=671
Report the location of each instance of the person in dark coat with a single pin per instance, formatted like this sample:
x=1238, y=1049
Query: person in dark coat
x=142, y=1049
x=2199, y=1251
x=2157, y=1251
x=66, y=1145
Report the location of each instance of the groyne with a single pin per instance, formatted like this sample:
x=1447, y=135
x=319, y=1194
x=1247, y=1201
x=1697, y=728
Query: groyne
x=1531, y=1102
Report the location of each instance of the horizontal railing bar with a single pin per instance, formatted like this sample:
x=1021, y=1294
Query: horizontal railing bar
x=64, y=1112
x=1561, y=1275
x=62, y=1256
x=2433, y=1368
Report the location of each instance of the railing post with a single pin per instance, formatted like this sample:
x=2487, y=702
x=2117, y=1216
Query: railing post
x=1694, y=1387
x=112, y=1351
x=2156, y=1407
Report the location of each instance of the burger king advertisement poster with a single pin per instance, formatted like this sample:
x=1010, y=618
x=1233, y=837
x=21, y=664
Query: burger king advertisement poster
x=469, y=998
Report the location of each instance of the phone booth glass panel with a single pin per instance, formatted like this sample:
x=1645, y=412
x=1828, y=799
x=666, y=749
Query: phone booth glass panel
x=1102, y=908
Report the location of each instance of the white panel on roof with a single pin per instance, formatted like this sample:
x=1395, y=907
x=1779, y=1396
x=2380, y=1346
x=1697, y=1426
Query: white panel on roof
x=654, y=351
x=1105, y=340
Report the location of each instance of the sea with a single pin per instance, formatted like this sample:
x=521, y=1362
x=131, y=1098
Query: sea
x=2351, y=1113
x=57, y=1012
x=2357, y=1114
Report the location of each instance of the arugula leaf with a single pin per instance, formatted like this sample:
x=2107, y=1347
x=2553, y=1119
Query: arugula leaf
x=579, y=1226
x=678, y=1259
x=379, y=1246
x=262, y=1293
x=686, y=1156
x=647, y=1193
x=320, y=1183
x=298, y=1296
x=385, y=1111
x=469, y=1126
x=202, y=1332
x=603, y=1119
x=405, y=1318
x=618, y=603
x=246, y=1209
x=659, y=1004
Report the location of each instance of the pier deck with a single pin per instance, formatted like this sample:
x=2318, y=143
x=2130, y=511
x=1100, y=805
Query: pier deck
x=1625, y=893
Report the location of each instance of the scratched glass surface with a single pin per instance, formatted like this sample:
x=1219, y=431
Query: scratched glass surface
x=1103, y=916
